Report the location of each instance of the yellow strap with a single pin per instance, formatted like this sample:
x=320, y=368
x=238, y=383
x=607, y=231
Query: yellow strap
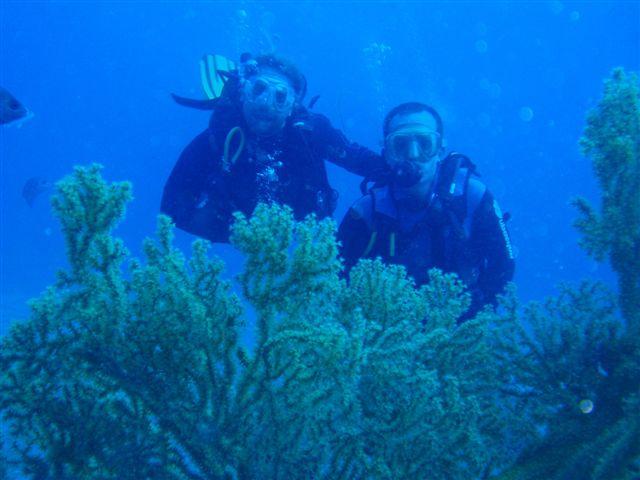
x=372, y=242
x=204, y=78
x=392, y=244
x=226, y=163
x=217, y=82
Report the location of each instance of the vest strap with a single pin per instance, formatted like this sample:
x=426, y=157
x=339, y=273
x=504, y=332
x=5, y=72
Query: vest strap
x=372, y=242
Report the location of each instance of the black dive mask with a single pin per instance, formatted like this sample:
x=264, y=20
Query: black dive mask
x=408, y=149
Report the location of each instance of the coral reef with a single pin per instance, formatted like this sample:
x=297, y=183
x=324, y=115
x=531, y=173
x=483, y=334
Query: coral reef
x=130, y=369
x=575, y=363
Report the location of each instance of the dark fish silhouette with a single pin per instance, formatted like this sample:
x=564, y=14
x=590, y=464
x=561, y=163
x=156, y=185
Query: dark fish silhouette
x=10, y=108
x=33, y=188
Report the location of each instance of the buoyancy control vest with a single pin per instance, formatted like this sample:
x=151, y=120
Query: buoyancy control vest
x=436, y=236
x=285, y=168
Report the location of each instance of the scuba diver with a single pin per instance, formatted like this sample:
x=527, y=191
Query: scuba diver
x=262, y=145
x=431, y=211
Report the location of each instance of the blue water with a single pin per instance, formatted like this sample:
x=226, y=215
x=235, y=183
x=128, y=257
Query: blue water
x=512, y=80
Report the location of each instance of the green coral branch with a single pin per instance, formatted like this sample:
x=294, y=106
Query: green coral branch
x=612, y=140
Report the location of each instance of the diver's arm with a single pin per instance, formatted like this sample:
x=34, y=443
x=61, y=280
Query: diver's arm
x=490, y=236
x=354, y=233
x=337, y=149
x=185, y=197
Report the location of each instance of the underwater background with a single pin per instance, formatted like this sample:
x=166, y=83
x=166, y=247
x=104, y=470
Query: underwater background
x=512, y=80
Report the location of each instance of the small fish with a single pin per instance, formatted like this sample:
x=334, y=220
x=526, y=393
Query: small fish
x=33, y=187
x=11, y=109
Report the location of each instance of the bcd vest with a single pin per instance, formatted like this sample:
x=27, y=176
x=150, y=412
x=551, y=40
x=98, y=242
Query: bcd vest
x=437, y=236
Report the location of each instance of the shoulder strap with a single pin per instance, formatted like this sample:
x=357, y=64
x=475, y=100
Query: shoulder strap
x=453, y=174
x=458, y=190
x=475, y=192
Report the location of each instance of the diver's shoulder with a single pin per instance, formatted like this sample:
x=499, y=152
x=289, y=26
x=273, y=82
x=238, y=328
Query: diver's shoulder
x=198, y=150
x=476, y=185
x=225, y=116
x=199, y=141
x=362, y=207
x=308, y=120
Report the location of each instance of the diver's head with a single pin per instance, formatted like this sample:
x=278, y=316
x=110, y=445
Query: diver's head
x=271, y=87
x=413, y=142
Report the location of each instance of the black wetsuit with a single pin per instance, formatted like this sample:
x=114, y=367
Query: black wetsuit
x=460, y=231
x=203, y=190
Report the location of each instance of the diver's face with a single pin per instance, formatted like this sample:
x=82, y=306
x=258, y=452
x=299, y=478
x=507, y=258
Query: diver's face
x=412, y=146
x=267, y=102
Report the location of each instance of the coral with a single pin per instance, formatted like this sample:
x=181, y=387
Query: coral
x=612, y=140
x=130, y=369
x=573, y=362
x=113, y=372
x=3, y=460
x=573, y=374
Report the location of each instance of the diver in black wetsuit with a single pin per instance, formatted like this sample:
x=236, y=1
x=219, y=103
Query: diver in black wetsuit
x=430, y=212
x=262, y=145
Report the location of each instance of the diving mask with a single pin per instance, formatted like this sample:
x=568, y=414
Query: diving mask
x=272, y=92
x=413, y=143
